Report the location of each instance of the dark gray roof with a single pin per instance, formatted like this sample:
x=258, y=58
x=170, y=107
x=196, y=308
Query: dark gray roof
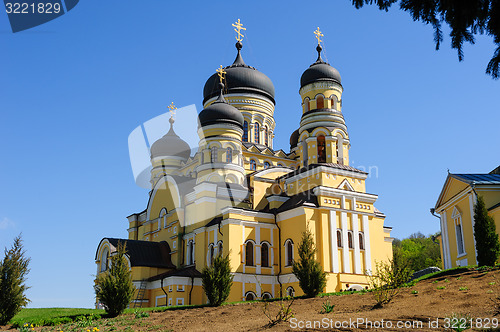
x=220, y=112
x=299, y=200
x=319, y=71
x=145, y=253
x=191, y=272
x=480, y=179
x=240, y=78
x=170, y=145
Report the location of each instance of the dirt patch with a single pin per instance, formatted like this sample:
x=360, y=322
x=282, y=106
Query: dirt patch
x=431, y=301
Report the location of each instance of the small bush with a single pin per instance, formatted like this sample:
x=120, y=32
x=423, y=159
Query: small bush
x=140, y=314
x=388, y=279
x=487, y=244
x=283, y=313
x=327, y=307
x=114, y=288
x=441, y=287
x=463, y=289
x=414, y=292
x=217, y=280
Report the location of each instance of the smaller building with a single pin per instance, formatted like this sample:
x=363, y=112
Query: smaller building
x=455, y=206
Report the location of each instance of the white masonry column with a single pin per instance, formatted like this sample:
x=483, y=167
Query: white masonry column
x=334, y=257
x=368, y=256
x=345, y=245
x=257, y=261
x=357, y=254
x=445, y=241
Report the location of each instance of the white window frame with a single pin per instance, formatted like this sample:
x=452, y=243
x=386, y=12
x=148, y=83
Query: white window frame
x=456, y=216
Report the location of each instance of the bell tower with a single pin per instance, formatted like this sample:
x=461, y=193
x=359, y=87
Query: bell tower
x=322, y=136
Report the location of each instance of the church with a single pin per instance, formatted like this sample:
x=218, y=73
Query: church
x=238, y=196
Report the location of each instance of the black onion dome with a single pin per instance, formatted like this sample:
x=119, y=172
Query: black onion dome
x=319, y=71
x=170, y=145
x=294, y=139
x=240, y=78
x=220, y=112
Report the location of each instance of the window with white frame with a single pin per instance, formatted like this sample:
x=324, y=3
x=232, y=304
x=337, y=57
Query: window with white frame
x=179, y=301
x=229, y=155
x=350, y=241
x=289, y=252
x=213, y=154
x=339, y=238
x=290, y=291
x=250, y=296
x=104, y=259
x=457, y=220
x=210, y=254
x=249, y=254
x=361, y=241
x=162, y=218
x=190, y=253
x=264, y=255
x=180, y=288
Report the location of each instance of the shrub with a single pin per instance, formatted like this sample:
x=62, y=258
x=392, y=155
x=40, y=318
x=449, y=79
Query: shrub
x=312, y=278
x=388, y=279
x=13, y=271
x=217, y=280
x=487, y=245
x=283, y=313
x=114, y=288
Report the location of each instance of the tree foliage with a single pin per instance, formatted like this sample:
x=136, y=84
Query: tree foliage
x=312, y=278
x=487, y=245
x=418, y=250
x=217, y=280
x=466, y=18
x=114, y=287
x=13, y=271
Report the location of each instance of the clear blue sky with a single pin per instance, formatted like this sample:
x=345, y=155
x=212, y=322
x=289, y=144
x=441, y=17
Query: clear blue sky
x=73, y=89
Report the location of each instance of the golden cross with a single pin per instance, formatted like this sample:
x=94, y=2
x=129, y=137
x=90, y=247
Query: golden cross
x=171, y=109
x=238, y=29
x=318, y=35
x=221, y=72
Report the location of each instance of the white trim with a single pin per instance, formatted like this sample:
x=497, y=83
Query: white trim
x=355, y=231
x=366, y=235
x=159, y=297
x=447, y=242
x=334, y=258
x=298, y=211
x=171, y=281
x=327, y=170
x=256, y=214
x=334, y=192
x=345, y=183
x=471, y=203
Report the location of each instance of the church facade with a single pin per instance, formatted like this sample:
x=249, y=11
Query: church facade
x=239, y=196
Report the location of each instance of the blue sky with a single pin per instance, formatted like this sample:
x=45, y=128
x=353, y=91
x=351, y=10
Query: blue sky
x=72, y=90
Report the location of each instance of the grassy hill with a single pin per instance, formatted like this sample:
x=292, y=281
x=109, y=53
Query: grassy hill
x=453, y=298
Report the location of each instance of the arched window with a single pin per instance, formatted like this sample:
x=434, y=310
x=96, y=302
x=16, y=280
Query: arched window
x=266, y=165
x=306, y=105
x=220, y=248
x=361, y=241
x=280, y=165
x=264, y=255
x=339, y=238
x=250, y=296
x=162, y=218
x=320, y=102
x=349, y=240
x=245, y=131
x=190, y=253
x=104, y=259
x=289, y=252
x=321, y=149
x=213, y=154
x=266, y=296
x=456, y=215
x=253, y=165
x=229, y=155
x=290, y=291
x=210, y=258
x=249, y=254
x=266, y=136
x=256, y=132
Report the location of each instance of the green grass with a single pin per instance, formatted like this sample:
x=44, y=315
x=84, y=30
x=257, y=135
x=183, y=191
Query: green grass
x=51, y=316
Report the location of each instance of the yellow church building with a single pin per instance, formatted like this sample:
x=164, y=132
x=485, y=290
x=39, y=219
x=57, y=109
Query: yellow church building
x=239, y=196
x=455, y=206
